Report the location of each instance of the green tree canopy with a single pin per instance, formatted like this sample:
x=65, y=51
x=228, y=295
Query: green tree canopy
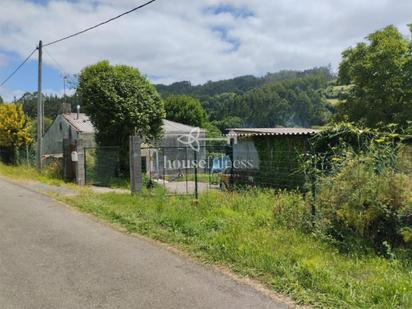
x=380, y=75
x=186, y=110
x=120, y=102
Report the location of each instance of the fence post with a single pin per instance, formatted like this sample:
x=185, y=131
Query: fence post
x=231, y=156
x=196, y=184
x=80, y=167
x=136, y=181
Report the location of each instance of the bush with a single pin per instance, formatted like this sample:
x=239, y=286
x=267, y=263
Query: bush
x=363, y=205
x=292, y=212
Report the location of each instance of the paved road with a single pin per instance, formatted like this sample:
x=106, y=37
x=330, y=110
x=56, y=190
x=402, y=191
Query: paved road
x=54, y=257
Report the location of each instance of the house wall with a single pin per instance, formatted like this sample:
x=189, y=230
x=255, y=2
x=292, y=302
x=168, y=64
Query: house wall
x=53, y=139
x=59, y=130
x=245, y=150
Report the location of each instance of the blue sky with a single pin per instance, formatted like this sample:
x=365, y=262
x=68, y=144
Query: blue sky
x=195, y=40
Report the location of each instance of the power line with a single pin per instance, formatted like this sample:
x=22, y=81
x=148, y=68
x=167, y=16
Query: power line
x=100, y=24
x=18, y=68
x=62, y=70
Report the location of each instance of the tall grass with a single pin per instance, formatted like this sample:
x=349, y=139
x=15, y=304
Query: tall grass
x=253, y=235
x=28, y=172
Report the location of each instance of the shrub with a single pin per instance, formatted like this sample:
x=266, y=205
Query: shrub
x=292, y=212
x=53, y=168
x=363, y=205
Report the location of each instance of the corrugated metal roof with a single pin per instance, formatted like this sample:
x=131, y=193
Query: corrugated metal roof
x=82, y=124
x=271, y=131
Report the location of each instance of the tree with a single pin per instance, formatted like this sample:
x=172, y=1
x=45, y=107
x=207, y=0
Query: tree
x=186, y=110
x=380, y=75
x=1, y=100
x=120, y=102
x=14, y=128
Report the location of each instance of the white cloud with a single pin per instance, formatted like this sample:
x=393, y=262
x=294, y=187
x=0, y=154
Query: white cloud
x=177, y=40
x=4, y=60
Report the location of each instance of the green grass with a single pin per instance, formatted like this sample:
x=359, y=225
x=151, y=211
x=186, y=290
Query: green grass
x=243, y=232
x=24, y=172
x=239, y=230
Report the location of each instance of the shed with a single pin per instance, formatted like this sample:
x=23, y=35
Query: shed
x=274, y=152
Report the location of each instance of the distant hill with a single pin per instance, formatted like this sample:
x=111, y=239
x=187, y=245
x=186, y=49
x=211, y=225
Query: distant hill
x=285, y=98
x=237, y=85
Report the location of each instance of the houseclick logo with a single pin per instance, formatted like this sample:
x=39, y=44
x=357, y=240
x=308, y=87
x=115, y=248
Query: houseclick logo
x=194, y=138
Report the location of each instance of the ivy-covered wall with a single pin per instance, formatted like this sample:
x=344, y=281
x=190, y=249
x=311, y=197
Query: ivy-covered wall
x=279, y=161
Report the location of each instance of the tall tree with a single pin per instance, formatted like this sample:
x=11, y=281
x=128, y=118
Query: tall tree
x=120, y=102
x=186, y=110
x=380, y=75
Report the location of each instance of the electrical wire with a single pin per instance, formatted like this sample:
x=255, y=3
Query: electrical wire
x=71, y=36
x=18, y=68
x=62, y=70
x=100, y=24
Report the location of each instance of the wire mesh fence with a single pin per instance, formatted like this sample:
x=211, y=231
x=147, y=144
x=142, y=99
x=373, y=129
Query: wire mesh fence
x=102, y=166
x=183, y=170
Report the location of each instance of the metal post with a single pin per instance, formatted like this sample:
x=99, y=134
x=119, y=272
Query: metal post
x=196, y=163
x=40, y=109
x=231, y=156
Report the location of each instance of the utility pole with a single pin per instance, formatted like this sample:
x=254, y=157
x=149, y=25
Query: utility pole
x=40, y=112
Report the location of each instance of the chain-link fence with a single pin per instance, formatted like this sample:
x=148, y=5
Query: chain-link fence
x=184, y=170
x=24, y=155
x=102, y=167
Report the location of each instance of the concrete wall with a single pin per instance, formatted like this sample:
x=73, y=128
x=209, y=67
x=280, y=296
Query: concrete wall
x=61, y=129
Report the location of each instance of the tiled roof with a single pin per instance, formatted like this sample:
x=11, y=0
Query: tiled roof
x=271, y=131
x=84, y=125
x=81, y=124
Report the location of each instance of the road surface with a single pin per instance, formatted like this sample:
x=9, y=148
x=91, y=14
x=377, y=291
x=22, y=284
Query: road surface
x=54, y=257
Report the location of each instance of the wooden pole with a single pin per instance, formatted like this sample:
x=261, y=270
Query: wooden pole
x=40, y=112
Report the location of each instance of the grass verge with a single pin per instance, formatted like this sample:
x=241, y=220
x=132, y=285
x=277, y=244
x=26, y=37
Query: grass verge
x=29, y=173
x=240, y=231
x=243, y=231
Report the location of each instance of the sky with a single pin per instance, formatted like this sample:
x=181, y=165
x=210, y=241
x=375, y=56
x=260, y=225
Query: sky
x=194, y=40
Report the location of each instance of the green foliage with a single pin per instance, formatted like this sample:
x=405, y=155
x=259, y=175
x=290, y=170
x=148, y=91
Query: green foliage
x=296, y=102
x=52, y=104
x=120, y=102
x=291, y=211
x=279, y=161
x=365, y=203
x=286, y=98
x=185, y=109
x=250, y=233
x=380, y=73
x=228, y=123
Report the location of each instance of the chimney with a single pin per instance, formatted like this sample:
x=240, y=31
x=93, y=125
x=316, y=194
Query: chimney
x=66, y=108
x=78, y=111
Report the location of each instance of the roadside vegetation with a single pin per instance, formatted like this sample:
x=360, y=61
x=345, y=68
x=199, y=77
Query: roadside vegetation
x=354, y=252
x=264, y=235
x=30, y=173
